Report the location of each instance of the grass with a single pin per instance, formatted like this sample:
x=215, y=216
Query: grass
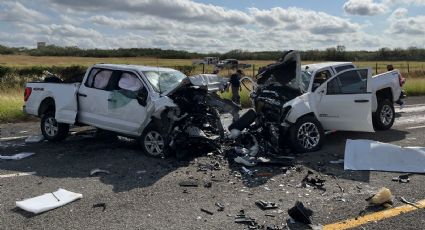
x=11, y=102
x=414, y=86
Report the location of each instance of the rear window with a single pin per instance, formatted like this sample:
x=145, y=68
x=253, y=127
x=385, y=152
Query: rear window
x=343, y=67
x=98, y=78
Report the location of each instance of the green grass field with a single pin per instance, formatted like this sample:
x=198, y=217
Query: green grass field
x=11, y=97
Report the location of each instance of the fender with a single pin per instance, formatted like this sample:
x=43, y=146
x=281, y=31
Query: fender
x=300, y=107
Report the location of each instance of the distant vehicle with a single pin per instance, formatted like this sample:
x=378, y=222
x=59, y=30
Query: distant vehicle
x=232, y=64
x=160, y=107
x=207, y=61
x=295, y=104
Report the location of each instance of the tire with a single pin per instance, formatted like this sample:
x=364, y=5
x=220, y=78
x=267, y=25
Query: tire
x=152, y=142
x=306, y=135
x=383, y=118
x=51, y=129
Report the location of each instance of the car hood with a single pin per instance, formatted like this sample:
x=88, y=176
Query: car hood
x=211, y=82
x=285, y=70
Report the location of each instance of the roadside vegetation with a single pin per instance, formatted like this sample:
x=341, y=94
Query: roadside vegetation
x=16, y=70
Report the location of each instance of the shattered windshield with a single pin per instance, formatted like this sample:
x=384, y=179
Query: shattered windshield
x=162, y=81
x=305, y=81
x=300, y=83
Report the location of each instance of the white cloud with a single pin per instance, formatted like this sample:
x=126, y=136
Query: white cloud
x=364, y=7
x=181, y=10
x=301, y=19
x=16, y=12
x=399, y=13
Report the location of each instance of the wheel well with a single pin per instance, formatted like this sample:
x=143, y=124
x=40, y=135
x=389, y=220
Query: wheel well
x=383, y=94
x=47, y=105
x=311, y=114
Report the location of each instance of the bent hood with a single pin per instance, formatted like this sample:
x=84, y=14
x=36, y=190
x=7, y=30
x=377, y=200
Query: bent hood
x=211, y=82
x=287, y=68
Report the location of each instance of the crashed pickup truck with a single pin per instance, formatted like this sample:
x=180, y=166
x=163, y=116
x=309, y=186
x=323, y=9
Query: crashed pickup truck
x=160, y=107
x=295, y=104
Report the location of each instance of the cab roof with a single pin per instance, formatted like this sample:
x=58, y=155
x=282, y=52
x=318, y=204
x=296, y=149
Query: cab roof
x=138, y=68
x=316, y=66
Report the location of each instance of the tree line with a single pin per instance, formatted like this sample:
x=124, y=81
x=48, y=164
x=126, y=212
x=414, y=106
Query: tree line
x=330, y=54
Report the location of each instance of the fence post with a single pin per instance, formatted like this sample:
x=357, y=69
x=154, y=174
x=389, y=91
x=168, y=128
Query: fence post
x=253, y=70
x=408, y=68
x=376, y=69
x=203, y=68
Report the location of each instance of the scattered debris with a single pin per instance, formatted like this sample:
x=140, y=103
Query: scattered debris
x=95, y=172
x=246, y=160
x=383, y=197
x=402, y=178
x=269, y=215
x=247, y=171
x=313, y=180
x=48, y=201
x=207, y=184
x=18, y=156
x=339, y=161
x=220, y=207
x=34, y=139
x=266, y=205
x=189, y=183
x=300, y=213
x=378, y=156
x=402, y=199
x=207, y=211
x=242, y=218
x=100, y=205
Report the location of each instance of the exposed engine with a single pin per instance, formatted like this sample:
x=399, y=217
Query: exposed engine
x=277, y=84
x=194, y=125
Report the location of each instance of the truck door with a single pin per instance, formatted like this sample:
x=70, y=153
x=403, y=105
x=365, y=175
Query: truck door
x=125, y=113
x=344, y=102
x=92, y=98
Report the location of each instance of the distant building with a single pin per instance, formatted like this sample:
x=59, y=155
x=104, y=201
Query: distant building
x=41, y=45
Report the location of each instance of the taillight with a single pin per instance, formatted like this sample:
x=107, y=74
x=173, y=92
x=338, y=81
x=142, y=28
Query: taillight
x=27, y=93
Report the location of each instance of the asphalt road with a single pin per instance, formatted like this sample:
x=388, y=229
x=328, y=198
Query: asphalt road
x=144, y=193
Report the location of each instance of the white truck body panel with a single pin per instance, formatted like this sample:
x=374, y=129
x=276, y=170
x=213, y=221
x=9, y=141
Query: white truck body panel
x=65, y=100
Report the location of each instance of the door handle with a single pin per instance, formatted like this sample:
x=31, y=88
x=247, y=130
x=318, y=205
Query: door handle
x=112, y=100
x=361, y=101
x=81, y=95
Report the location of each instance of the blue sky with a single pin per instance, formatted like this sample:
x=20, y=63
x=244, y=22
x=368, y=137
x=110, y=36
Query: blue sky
x=214, y=26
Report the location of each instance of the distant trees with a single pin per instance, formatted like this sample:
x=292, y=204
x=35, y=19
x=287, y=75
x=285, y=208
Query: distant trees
x=338, y=53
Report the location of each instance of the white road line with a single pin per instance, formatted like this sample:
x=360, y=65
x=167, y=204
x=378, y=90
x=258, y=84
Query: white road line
x=416, y=127
x=12, y=138
x=17, y=174
x=411, y=109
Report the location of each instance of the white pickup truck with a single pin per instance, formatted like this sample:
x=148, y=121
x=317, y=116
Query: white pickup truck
x=160, y=107
x=294, y=104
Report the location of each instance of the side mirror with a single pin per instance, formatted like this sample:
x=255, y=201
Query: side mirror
x=142, y=96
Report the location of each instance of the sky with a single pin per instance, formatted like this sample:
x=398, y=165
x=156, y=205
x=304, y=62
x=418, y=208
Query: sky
x=214, y=26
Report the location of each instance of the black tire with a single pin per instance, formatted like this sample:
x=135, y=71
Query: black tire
x=156, y=148
x=51, y=129
x=383, y=118
x=301, y=143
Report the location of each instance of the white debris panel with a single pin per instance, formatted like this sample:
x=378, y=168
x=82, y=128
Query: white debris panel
x=378, y=156
x=48, y=201
x=17, y=156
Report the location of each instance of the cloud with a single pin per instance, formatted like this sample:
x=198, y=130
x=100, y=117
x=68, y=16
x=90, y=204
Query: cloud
x=364, y=7
x=16, y=12
x=301, y=19
x=410, y=26
x=399, y=13
x=181, y=10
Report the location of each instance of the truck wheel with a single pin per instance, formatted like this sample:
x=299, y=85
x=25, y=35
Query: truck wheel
x=384, y=117
x=152, y=141
x=306, y=135
x=51, y=129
